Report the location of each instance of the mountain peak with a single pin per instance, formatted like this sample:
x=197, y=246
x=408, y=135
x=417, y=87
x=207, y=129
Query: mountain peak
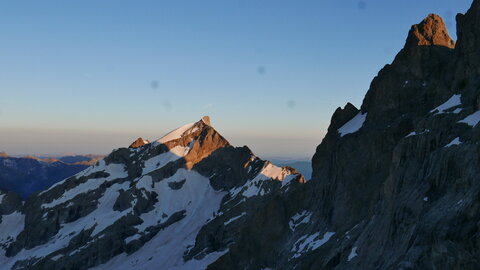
x=159, y=203
x=198, y=139
x=138, y=143
x=430, y=32
x=206, y=120
x=185, y=130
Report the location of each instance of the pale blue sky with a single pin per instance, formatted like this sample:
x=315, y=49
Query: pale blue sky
x=90, y=76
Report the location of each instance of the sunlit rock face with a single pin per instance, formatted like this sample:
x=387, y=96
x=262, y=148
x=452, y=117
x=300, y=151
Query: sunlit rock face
x=430, y=32
x=138, y=143
x=179, y=202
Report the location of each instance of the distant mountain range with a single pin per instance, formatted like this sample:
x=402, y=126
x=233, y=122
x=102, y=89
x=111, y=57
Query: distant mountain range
x=29, y=174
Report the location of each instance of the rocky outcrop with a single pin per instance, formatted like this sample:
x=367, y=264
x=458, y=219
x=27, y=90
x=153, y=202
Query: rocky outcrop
x=206, y=120
x=342, y=116
x=138, y=143
x=430, y=32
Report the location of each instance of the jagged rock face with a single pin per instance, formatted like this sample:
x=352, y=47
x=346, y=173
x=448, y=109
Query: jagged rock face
x=394, y=184
x=430, y=32
x=419, y=77
x=178, y=203
x=400, y=189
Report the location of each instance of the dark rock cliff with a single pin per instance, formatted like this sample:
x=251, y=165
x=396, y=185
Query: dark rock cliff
x=404, y=185
x=395, y=184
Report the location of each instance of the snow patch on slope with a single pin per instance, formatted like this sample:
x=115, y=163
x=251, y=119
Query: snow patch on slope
x=413, y=133
x=104, y=215
x=353, y=125
x=116, y=171
x=175, y=134
x=472, y=120
x=455, y=141
x=308, y=243
x=167, y=248
x=163, y=159
x=352, y=254
x=189, y=197
x=299, y=218
x=100, y=218
x=454, y=101
x=11, y=226
x=254, y=187
x=234, y=218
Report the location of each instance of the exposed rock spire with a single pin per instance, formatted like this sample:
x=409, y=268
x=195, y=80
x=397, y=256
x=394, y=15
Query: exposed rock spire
x=206, y=120
x=430, y=32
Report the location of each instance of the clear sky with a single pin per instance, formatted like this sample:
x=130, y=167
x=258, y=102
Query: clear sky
x=90, y=76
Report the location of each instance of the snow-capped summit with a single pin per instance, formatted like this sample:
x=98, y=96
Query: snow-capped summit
x=185, y=130
x=176, y=133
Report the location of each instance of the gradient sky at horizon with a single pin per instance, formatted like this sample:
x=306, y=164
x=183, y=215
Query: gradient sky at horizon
x=89, y=76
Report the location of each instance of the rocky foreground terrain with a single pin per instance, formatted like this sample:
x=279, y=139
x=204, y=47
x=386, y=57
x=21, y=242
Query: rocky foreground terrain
x=395, y=185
